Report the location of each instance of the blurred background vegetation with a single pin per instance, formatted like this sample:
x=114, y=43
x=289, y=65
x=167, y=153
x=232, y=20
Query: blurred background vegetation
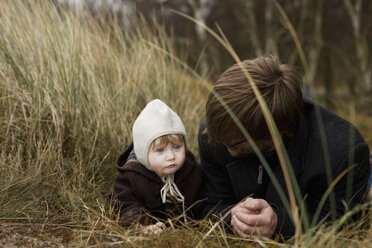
x=74, y=75
x=335, y=36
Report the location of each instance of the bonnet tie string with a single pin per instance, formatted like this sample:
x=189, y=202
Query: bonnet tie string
x=171, y=188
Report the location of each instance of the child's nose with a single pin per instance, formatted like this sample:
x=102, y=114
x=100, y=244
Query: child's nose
x=170, y=155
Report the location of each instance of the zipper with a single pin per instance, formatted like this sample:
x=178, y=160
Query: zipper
x=260, y=174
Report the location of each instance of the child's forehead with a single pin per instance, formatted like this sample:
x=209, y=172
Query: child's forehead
x=164, y=140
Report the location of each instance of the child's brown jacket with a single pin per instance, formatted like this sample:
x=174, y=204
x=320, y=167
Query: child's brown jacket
x=136, y=190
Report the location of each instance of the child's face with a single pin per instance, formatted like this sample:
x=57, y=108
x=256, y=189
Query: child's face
x=166, y=159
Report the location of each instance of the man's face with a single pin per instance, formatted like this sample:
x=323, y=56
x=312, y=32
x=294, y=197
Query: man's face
x=242, y=148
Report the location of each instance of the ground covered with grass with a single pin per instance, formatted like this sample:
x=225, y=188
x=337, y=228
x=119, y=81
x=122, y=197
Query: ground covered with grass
x=71, y=87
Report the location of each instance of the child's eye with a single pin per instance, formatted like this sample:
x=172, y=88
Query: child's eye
x=160, y=150
x=176, y=147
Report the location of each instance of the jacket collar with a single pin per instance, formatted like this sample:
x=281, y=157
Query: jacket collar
x=296, y=147
x=123, y=165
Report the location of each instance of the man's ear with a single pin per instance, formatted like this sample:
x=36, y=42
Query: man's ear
x=204, y=131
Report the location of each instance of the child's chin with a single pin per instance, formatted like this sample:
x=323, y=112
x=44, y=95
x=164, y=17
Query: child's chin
x=170, y=171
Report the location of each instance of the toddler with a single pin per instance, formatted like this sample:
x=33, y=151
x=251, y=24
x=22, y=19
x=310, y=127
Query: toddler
x=159, y=177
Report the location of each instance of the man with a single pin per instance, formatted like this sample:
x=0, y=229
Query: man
x=234, y=177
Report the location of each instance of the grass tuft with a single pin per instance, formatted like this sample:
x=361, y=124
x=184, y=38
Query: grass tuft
x=71, y=87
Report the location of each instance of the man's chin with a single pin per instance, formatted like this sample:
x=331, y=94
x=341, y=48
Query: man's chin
x=239, y=154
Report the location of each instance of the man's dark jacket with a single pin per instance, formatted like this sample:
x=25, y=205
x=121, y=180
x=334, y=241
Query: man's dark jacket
x=228, y=180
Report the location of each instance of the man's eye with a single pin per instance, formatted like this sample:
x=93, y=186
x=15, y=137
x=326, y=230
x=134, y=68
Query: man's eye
x=160, y=150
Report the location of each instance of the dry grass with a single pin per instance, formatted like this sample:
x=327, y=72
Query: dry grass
x=71, y=87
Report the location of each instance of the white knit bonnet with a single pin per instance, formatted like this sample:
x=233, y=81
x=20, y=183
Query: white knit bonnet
x=155, y=120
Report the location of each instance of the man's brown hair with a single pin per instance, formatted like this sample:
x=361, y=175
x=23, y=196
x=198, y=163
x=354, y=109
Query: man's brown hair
x=280, y=86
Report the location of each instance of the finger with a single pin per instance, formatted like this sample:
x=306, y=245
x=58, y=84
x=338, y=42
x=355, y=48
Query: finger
x=241, y=208
x=160, y=224
x=240, y=228
x=255, y=204
x=254, y=219
x=255, y=232
x=157, y=231
x=241, y=234
x=243, y=230
x=148, y=230
x=256, y=225
x=261, y=231
x=235, y=226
